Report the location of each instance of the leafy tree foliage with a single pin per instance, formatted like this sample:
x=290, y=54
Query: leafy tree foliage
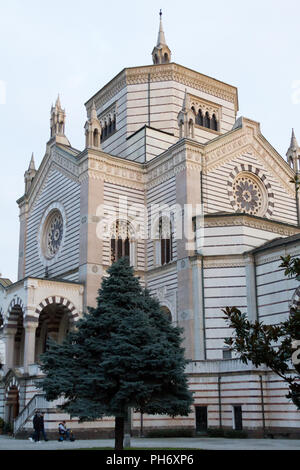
x=271, y=345
x=124, y=354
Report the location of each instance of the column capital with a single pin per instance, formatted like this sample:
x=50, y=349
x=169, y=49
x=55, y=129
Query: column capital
x=9, y=330
x=30, y=324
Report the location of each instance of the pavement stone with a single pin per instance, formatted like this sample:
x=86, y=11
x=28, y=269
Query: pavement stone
x=211, y=443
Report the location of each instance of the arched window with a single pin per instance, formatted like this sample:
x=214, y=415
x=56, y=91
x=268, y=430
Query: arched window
x=214, y=123
x=167, y=312
x=156, y=59
x=166, y=58
x=108, y=128
x=199, y=118
x=181, y=125
x=114, y=123
x=166, y=241
x=104, y=132
x=120, y=241
x=207, y=120
x=95, y=138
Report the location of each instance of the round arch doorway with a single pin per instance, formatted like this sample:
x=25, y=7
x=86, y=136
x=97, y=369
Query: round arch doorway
x=12, y=405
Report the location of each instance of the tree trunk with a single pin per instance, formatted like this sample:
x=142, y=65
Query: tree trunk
x=119, y=432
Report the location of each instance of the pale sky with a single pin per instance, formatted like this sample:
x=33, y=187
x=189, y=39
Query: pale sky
x=73, y=48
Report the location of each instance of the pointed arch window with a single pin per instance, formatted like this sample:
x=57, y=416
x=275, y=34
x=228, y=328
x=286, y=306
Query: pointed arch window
x=206, y=120
x=214, y=123
x=109, y=128
x=166, y=58
x=199, y=118
x=96, y=138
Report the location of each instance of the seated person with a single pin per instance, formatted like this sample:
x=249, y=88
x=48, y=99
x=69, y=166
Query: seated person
x=63, y=431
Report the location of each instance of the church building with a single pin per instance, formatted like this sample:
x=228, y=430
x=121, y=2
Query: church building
x=203, y=206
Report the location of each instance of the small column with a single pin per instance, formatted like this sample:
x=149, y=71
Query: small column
x=29, y=346
x=9, y=333
x=199, y=314
x=251, y=288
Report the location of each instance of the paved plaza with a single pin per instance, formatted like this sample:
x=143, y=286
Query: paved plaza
x=10, y=443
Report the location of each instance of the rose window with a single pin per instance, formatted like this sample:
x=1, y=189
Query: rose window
x=54, y=234
x=248, y=195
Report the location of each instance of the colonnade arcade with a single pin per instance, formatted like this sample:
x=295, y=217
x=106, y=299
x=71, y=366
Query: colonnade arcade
x=25, y=336
x=29, y=316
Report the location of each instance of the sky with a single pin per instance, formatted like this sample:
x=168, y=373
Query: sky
x=74, y=48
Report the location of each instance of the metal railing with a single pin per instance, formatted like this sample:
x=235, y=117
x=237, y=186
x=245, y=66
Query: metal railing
x=37, y=402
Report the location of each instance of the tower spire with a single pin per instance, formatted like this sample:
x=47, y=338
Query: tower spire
x=29, y=174
x=57, y=123
x=161, y=40
x=161, y=53
x=93, y=129
x=186, y=119
x=293, y=153
x=32, y=163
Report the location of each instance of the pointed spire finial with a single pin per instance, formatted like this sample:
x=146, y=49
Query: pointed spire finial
x=57, y=103
x=32, y=163
x=293, y=153
x=294, y=143
x=184, y=104
x=161, y=53
x=29, y=174
x=94, y=111
x=161, y=40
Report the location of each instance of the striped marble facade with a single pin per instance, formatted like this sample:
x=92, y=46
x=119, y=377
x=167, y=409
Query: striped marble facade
x=231, y=259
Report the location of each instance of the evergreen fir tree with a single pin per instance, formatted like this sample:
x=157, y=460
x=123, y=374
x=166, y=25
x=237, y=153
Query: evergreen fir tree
x=124, y=353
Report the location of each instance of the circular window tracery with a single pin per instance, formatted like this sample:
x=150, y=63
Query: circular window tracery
x=249, y=191
x=53, y=234
x=249, y=194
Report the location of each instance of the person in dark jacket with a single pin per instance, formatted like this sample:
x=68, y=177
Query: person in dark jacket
x=36, y=427
x=41, y=426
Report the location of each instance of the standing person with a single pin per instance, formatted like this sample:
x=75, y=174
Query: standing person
x=41, y=426
x=36, y=427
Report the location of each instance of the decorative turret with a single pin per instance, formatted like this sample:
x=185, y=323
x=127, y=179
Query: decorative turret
x=293, y=153
x=161, y=54
x=57, y=123
x=186, y=119
x=93, y=130
x=29, y=174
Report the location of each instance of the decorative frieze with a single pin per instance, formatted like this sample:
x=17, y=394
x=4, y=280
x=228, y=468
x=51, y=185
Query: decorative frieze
x=251, y=221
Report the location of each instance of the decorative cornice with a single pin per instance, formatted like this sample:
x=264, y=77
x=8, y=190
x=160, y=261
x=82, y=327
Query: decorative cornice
x=223, y=220
x=164, y=72
x=102, y=166
x=224, y=262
